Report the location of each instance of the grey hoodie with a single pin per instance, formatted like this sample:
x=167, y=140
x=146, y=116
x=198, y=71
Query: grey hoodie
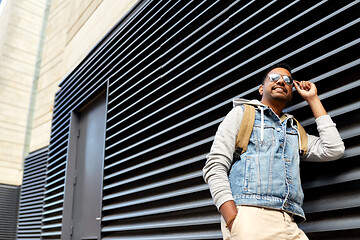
x=329, y=146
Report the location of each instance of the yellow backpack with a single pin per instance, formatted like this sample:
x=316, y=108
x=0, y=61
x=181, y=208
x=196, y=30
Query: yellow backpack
x=246, y=127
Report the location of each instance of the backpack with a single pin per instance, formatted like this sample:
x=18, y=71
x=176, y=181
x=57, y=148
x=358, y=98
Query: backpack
x=246, y=127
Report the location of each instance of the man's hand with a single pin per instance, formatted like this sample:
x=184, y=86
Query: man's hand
x=307, y=90
x=228, y=211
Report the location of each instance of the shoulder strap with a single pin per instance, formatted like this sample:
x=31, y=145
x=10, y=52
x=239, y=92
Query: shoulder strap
x=303, y=137
x=246, y=127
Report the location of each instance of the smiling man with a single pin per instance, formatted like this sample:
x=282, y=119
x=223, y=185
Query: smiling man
x=259, y=194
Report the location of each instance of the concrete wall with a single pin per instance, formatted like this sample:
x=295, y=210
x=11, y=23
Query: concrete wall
x=20, y=24
x=73, y=29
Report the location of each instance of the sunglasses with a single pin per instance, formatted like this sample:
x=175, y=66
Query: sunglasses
x=276, y=76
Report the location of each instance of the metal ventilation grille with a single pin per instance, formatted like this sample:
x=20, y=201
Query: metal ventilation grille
x=54, y=186
x=173, y=68
x=173, y=87
x=32, y=195
x=9, y=204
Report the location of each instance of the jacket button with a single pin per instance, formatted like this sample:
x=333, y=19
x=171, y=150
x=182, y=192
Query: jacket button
x=278, y=129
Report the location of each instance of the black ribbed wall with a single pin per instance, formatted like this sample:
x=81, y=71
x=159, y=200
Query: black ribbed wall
x=173, y=68
x=9, y=207
x=32, y=195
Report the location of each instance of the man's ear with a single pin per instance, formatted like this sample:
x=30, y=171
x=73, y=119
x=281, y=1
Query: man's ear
x=261, y=89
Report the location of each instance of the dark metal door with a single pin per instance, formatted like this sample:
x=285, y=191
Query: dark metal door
x=89, y=171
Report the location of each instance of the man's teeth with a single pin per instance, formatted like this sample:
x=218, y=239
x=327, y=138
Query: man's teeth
x=279, y=89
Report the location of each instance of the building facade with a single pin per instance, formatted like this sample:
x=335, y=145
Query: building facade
x=118, y=153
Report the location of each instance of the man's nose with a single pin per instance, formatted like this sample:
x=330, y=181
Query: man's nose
x=281, y=81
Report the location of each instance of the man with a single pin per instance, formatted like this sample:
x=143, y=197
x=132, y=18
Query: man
x=260, y=195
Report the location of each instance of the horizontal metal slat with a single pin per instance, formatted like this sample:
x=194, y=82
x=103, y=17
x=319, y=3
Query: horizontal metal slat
x=53, y=196
x=61, y=201
x=51, y=226
x=179, y=222
x=47, y=212
x=159, y=210
x=343, y=223
x=50, y=233
x=26, y=221
x=333, y=202
x=51, y=219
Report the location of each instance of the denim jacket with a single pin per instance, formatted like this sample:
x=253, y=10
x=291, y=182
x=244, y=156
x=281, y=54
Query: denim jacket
x=268, y=173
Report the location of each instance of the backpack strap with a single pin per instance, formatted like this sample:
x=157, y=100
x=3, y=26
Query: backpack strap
x=246, y=127
x=303, y=138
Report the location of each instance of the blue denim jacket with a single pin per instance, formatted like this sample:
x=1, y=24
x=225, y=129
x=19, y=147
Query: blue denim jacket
x=268, y=173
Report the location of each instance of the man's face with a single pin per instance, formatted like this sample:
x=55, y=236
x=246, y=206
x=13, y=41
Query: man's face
x=277, y=90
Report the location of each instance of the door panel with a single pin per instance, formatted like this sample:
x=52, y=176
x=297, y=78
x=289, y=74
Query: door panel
x=86, y=214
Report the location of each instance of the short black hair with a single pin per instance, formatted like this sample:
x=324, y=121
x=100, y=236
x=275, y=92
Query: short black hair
x=277, y=65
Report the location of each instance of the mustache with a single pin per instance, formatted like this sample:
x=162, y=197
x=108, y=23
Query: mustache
x=279, y=86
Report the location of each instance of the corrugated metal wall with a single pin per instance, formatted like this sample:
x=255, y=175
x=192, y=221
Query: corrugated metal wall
x=9, y=204
x=173, y=68
x=32, y=195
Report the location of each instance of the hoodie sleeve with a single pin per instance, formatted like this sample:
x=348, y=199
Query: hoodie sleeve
x=329, y=146
x=219, y=160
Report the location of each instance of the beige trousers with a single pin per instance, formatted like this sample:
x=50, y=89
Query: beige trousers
x=255, y=223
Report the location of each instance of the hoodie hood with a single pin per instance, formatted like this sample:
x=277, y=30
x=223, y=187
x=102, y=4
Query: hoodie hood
x=240, y=101
x=261, y=107
x=257, y=104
